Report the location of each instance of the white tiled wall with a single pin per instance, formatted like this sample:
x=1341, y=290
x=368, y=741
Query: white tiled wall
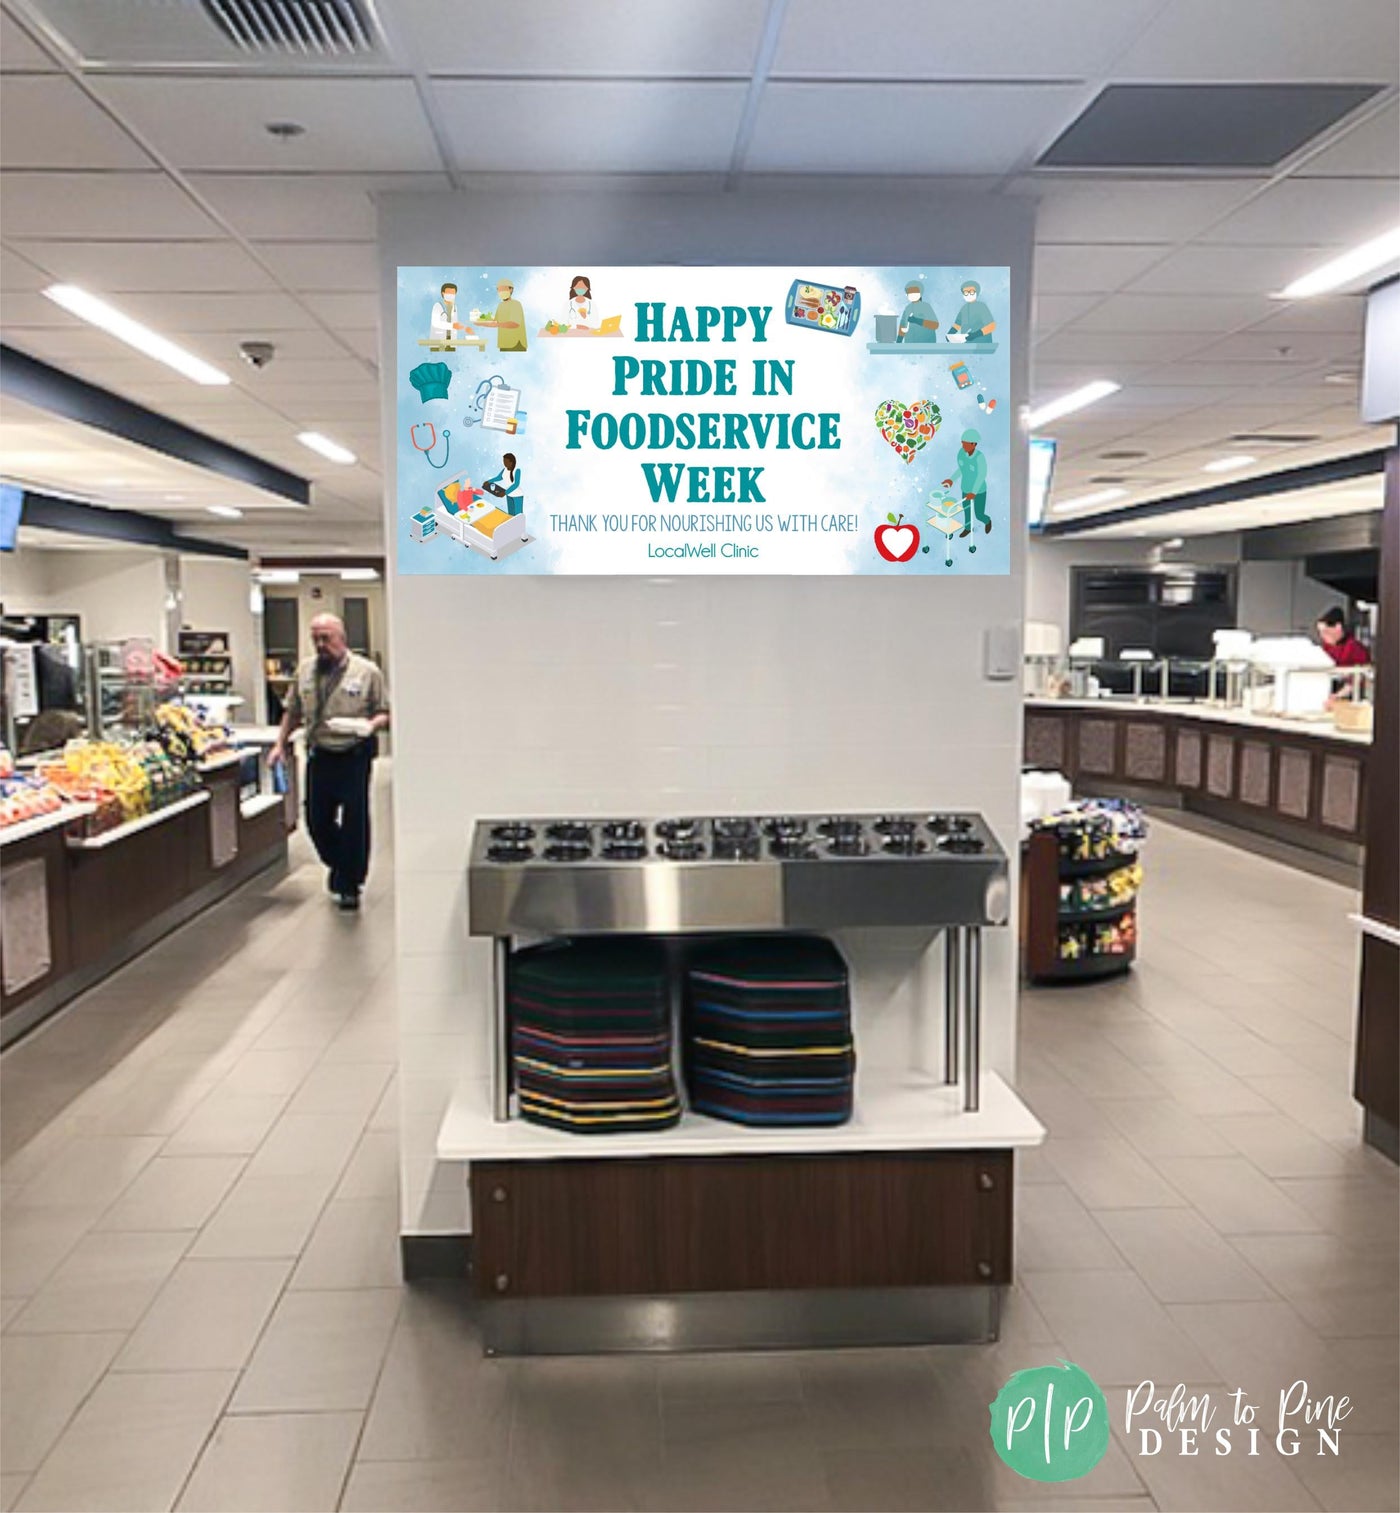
x=632, y=695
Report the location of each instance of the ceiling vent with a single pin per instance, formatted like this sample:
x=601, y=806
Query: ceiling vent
x=300, y=28
x=154, y=35
x=1121, y=455
x=1275, y=438
x=1201, y=126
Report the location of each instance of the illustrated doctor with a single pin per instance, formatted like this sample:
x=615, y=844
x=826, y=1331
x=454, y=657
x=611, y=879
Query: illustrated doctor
x=580, y=302
x=445, y=321
x=974, y=322
x=506, y=485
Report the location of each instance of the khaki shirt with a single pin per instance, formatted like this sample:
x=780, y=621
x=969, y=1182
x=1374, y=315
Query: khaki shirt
x=355, y=689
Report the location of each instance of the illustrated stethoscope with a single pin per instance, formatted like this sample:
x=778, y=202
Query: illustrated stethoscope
x=432, y=442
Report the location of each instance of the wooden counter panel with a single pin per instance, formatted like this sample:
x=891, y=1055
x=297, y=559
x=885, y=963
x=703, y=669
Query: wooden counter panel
x=1256, y=773
x=115, y=890
x=1295, y=780
x=49, y=850
x=620, y=1227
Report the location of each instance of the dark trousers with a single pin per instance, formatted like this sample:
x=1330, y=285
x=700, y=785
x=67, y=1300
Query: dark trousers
x=337, y=812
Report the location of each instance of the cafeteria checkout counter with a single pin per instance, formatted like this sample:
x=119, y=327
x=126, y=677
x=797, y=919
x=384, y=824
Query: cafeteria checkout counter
x=1263, y=736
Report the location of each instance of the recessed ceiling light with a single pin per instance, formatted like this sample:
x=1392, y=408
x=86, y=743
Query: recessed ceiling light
x=225, y=511
x=1351, y=265
x=1228, y=464
x=331, y=450
x=104, y=316
x=358, y=574
x=1350, y=379
x=1067, y=404
x=1087, y=501
x=286, y=575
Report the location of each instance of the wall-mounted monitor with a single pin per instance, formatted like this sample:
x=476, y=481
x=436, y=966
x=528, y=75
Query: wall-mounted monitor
x=1041, y=475
x=11, y=507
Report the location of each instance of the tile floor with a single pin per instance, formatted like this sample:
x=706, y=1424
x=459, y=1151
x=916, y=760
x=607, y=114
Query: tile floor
x=202, y=1308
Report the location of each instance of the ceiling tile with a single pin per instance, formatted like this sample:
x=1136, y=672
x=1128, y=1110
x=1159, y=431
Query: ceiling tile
x=1106, y=348
x=99, y=205
x=1313, y=212
x=347, y=267
x=1339, y=313
x=350, y=310
x=18, y=272
x=1090, y=270
x=914, y=129
x=1267, y=40
x=354, y=125
x=1128, y=210
x=308, y=206
x=187, y=267
x=579, y=37
x=46, y=121
x=1050, y=39
x=1051, y=311
x=1147, y=313
x=250, y=314
x=366, y=343
x=1206, y=375
x=1302, y=346
x=1219, y=269
x=1369, y=150
x=590, y=127
x=19, y=53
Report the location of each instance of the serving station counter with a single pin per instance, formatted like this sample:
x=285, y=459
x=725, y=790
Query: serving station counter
x=1299, y=781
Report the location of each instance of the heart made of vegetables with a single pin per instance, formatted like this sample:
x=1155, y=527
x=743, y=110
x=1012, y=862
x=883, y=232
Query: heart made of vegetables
x=908, y=426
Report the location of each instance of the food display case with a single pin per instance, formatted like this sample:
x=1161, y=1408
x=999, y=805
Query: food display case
x=110, y=841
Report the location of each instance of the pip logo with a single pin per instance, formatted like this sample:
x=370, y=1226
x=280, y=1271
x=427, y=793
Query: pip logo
x=1050, y=1423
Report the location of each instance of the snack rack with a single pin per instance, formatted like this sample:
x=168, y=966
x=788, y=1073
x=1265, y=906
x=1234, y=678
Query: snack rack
x=1080, y=886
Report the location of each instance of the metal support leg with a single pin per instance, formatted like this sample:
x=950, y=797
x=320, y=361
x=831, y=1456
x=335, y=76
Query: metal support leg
x=952, y=1001
x=972, y=1006
x=500, y=1029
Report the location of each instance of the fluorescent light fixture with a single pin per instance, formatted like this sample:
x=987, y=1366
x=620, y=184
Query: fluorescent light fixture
x=225, y=511
x=331, y=450
x=1229, y=464
x=358, y=574
x=1067, y=404
x=102, y=315
x=1088, y=501
x=283, y=575
x=1350, y=265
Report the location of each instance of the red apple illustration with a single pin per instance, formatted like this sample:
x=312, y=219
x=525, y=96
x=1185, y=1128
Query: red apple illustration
x=896, y=542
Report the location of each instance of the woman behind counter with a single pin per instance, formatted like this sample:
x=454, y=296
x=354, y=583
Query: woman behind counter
x=1338, y=642
x=506, y=485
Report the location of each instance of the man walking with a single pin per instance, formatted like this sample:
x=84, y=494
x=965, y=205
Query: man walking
x=972, y=478
x=341, y=699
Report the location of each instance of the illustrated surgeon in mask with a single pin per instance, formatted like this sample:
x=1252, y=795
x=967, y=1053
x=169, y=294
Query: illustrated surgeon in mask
x=974, y=322
x=918, y=323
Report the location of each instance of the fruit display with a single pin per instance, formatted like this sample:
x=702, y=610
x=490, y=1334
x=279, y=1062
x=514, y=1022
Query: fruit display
x=23, y=797
x=186, y=736
x=124, y=780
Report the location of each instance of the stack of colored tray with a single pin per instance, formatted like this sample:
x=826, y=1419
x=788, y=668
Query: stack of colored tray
x=768, y=1032
x=591, y=1035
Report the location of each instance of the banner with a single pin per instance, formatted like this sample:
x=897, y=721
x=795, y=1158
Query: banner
x=808, y=419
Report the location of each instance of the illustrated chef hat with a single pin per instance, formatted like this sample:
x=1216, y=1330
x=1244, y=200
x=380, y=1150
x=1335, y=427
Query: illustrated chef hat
x=431, y=380
x=971, y=283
